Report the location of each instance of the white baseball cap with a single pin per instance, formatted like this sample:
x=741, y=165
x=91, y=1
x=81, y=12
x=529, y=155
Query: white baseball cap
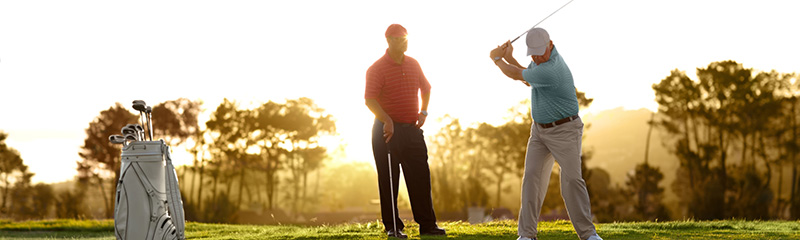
x=538, y=39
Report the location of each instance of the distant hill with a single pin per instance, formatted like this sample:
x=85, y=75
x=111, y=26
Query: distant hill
x=617, y=139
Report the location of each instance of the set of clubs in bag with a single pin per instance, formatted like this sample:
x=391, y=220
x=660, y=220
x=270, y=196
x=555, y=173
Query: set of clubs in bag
x=135, y=132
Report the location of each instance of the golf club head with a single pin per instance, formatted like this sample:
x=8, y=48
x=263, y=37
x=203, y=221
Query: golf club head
x=131, y=137
x=128, y=131
x=139, y=105
x=116, y=139
x=136, y=127
x=133, y=129
x=148, y=109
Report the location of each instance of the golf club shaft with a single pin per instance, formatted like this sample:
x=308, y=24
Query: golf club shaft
x=150, y=125
x=391, y=187
x=141, y=119
x=537, y=24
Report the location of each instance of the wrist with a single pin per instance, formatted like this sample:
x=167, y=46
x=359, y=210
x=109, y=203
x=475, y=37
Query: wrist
x=423, y=113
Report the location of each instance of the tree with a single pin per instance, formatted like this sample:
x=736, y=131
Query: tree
x=70, y=203
x=228, y=128
x=31, y=201
x=11, y=165
x=720, y=125
x=447, y=151
x=268, y=126
x=101, y=159
x=303, y=123
x=643, y=185
x=176, y=120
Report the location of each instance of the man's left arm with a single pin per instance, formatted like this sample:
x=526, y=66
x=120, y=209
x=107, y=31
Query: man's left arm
x=500, y=55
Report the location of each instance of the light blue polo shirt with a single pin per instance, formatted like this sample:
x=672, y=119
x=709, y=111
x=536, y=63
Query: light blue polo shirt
x=552, y=89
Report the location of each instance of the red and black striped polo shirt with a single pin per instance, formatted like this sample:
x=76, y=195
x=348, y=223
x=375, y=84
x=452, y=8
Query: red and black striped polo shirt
x=396, y=87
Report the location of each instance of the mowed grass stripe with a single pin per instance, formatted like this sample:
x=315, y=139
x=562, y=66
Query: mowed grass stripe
x=728, y=229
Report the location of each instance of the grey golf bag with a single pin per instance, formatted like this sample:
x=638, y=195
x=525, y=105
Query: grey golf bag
x=148, y=202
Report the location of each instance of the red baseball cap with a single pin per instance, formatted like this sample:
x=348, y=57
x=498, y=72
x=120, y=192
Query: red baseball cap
x=396, y=30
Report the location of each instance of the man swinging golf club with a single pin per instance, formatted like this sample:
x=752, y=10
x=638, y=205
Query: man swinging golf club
x=392, y=87
x=556, y=133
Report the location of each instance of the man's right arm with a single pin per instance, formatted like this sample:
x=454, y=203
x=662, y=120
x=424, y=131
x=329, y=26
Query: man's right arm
x=388, y=124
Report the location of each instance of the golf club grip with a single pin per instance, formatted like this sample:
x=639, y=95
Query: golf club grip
x=515, y=39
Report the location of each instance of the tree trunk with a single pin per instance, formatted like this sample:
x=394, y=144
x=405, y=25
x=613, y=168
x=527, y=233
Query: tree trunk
x=192, y=183
x=499, y=186
x=316, y=186
x=200, y=188
x=794, y=205
x=268, y=174
x=241, y=188
x=778, y=205
x=109, y=212
x=305, y=188
x=5, y=194
x=647, y=141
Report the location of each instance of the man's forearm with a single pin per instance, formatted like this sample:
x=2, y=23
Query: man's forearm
x=376, y=109
x=426, y=97
x=513, y=62
x=509, y=70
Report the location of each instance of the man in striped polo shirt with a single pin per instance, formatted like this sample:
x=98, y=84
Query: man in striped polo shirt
x=556, y=133
x=392, y=87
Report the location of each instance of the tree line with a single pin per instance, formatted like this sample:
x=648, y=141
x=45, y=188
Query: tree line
x=733, y=130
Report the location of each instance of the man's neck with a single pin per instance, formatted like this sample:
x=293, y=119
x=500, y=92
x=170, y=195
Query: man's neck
x=397, y=56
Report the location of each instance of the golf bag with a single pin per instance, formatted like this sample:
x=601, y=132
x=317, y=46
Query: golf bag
x=148, y=202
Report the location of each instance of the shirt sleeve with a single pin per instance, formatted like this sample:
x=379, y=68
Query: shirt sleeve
x=374, y=84
x=536, y=77
x=424, y=85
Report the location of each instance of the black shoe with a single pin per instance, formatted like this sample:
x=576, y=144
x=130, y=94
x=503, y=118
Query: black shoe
x=436, y=231
x=398, y=234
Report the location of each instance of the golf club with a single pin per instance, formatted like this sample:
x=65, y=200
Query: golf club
x=148, y=113
x=137, y=129
x=130, y=137
x=140, y=106
x=117, y=139
x=391, y=187
x=126, y=131
x=537, y=24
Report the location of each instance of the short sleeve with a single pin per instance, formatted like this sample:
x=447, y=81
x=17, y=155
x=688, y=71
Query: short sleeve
x=374, y=84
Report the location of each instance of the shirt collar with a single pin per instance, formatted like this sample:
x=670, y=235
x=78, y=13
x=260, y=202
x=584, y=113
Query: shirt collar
x=553, y=53
x=389, y=59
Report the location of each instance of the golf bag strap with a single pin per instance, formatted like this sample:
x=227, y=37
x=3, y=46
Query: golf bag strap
x=151, y=191
x=175, y=203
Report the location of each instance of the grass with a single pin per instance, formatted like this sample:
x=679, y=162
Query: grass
x=728, y=229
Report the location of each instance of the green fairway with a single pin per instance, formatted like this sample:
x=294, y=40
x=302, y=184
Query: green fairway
x=730, y=229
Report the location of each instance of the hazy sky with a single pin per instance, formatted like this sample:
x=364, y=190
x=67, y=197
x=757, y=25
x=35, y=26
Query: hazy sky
x=62, y=62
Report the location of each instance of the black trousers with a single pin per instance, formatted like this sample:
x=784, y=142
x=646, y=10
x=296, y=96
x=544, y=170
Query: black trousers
x=408, y=150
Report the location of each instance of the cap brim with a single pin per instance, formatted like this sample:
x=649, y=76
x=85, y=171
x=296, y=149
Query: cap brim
x=537, y=51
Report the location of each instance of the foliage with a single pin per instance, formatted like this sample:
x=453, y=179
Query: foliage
x=11, y=169
x=725, y=127
x=175, y=120
x=100, y=159
x=244, y=153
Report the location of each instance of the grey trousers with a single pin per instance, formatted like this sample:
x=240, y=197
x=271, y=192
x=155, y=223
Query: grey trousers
x=562, y=142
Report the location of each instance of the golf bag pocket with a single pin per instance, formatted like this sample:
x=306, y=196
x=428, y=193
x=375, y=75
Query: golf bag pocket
x=140, y=210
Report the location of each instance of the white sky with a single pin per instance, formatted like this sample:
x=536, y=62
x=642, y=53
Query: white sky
x=62, y=62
